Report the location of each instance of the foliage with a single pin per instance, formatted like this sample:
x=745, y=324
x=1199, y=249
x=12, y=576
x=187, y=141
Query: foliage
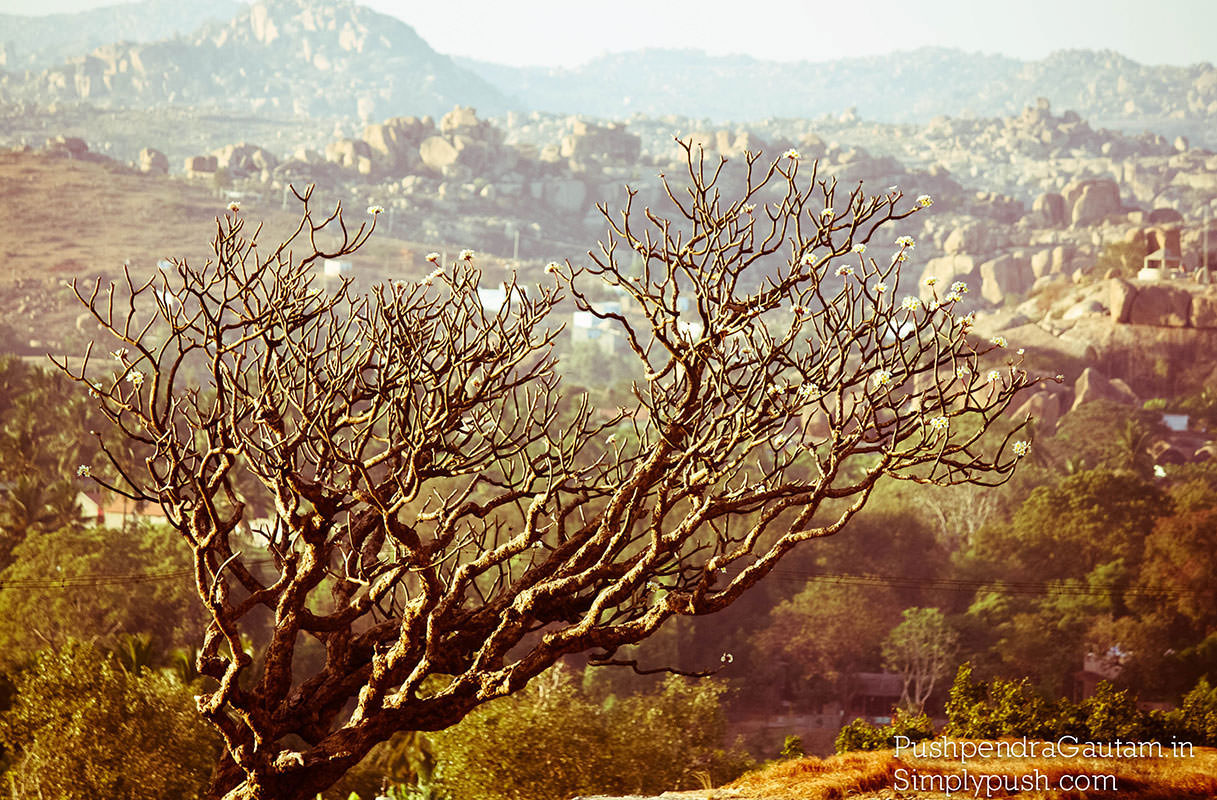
x=792, y=747
x=81, y=727
x=921, y=648
x=551, y=740
x=862, y=735
x=1120, y=259
x=443, y=511
x=85, y=583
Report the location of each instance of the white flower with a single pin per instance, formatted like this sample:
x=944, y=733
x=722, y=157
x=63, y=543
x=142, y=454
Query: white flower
x=136, y=378
x=234, y=206
x=726, y=658
x=552, y=268
x=882, y=378
x=959, y=287
x=900, y=257
x=1000, y=341
x=968, y=319
x=374, y=210
x=827, y=212
x=939, y=423
x=433, y=257
x=930, y=281
x=611, y=439
x=807, y=259
x=95, y=390
x=910, y=303
x=747, y=208
x=1021, y=448
x=120, y=354
x=466, y=255
x=962, y=372
x=792, y=154
x=951, y=297
x=925, y=201
x=905, y=241
x=993, y=376
x=798, y=310
x=880, y=287
x=860, y=248
x=845, y=270
x=84, y=471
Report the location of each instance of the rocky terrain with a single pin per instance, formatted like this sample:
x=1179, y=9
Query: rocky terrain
x=1045, y=204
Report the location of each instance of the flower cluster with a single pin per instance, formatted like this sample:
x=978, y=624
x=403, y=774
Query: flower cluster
x=999, y=341
x=882, y=378
x=792, y=154
x=880, y=287
x=234, y=206
x=930, y=281
x=1021, y=448
x=466, y=255
x=84, y=471
x=939, y=423
x=552, y=268
x=136, y=378
x=433, y=257
x=994, y=376
x=845, y=269
x=827, y=212
x=430, y=277
x=374, y=210
x=959, y=287
x=910, y=303
x=905, y=241
x=860, y=248
x=925, y=201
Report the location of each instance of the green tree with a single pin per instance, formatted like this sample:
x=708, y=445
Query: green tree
x=91, y=584
x=553, y=741
x=922, y=649
x=81, y=728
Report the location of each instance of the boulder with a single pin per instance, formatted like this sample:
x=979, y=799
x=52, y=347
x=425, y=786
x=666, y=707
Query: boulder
x=967, y=238
x=610, y=143
x=1120, y=300
x=1163, y=216
x=458, y=119
x=245, y=159
x=394, y=143
x=197, y=164
x=1096, y=199
x=153, y=161
x=1045, y=407
x=1041, y=261
x=1049, y=210
x=73, y=145
x=347, y=152
x=1162, y=306
x=1204, y=310
x=1003, y=276
x=1093, y=385
x=437, y=153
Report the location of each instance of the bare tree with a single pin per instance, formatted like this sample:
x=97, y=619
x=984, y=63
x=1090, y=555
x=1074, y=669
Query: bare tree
x=921, y=648
x=448, y=524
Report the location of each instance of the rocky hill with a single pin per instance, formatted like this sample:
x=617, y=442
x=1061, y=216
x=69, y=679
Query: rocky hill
x=905, y=87
x=301, y=57
x=36, y=43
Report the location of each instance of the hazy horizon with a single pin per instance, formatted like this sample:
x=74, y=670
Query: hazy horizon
x=550, y=33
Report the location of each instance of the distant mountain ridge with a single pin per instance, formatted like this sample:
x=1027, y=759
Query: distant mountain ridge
x=911, y=86
x=313, y=58
x=334, y=58
x=39, y=42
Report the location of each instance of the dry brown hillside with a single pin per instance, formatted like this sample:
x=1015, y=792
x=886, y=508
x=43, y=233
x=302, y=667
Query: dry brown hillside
x=83, y=218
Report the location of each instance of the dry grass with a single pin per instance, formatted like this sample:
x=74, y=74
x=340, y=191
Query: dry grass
x=874, y=776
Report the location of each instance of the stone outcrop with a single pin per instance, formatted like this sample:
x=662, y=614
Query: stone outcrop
x=1093, y=385
x=1164, y=306
x=1090, y=201
x=153, y=161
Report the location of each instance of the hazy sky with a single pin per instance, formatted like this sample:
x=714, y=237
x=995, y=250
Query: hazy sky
x=568, y=32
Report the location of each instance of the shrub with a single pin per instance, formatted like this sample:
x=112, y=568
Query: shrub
x=81, y=728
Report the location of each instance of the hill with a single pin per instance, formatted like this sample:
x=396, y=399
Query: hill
x=36, y=43
x=301, y=57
